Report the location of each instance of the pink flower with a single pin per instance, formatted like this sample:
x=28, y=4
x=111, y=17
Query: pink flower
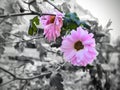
x=79, y=47
x=52, y=25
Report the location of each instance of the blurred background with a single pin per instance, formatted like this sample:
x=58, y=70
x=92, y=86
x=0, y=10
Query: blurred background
x=24, y=56
x=105, y=10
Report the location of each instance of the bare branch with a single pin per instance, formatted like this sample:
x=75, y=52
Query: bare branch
x=8, y=72
x=31, y=78
x=54, y=6
x=2, y=43
x=22, y=14
x=28, y=78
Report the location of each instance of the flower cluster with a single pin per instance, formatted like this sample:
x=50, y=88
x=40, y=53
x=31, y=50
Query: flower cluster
x=78, y=46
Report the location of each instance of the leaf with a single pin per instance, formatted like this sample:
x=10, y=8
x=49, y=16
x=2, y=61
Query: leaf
x=71, y=21
x=56, y=81
x=30, y=31
x=89, y=66
x=36, y=20
x=19, y=46
x=33, y=28
x=84, y=24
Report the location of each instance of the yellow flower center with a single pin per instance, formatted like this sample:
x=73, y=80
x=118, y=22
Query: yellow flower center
x=78, y=45
x=52, y=19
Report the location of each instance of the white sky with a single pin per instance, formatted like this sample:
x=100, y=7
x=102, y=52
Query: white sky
x=104, y=10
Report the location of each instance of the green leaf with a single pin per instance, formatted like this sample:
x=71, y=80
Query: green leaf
x=30, y=31
x=71, y=21
x=84, y=24
x=33, y=28
x=35, y=20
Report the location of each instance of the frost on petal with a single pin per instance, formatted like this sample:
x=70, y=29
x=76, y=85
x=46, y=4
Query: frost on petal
x=79, y=47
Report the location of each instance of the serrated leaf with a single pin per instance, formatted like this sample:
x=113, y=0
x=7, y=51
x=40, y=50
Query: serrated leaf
x=56, y=81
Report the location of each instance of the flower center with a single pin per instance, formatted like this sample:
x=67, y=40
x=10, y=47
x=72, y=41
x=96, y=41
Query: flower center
x=78, y=45
x=52, y=19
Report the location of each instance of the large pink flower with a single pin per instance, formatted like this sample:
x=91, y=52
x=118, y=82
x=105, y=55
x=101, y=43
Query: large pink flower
x=52, y=25
x=79, y=47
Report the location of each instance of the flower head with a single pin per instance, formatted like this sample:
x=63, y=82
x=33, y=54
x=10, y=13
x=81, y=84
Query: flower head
x=79, y=47
x=52, y=25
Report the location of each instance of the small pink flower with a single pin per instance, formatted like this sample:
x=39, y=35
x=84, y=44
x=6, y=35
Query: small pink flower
x=52, y=25
x=79, y=47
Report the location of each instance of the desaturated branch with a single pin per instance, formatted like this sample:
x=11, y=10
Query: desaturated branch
x=28, y=78
x=8, y=72
x=31, y=78
x=59, y=67
x=3, y=20
x=31, y=13
x=22, y=14
x=2, y=43
x=54, y=6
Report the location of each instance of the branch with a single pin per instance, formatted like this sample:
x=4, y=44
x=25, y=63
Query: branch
x=8, y=72
x=22, y=14
x=31, y=78
x=28, y=78
x=59, y=67
x=54, y=6
x=2, y=43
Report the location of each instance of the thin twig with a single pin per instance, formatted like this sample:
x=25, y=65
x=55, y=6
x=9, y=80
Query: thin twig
x=54, y=6
x=2, y=43
x=8, y=72
x=31, y=78
x=59, y=67
x=27, y=78
x=22, y=14
x=3, y=20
